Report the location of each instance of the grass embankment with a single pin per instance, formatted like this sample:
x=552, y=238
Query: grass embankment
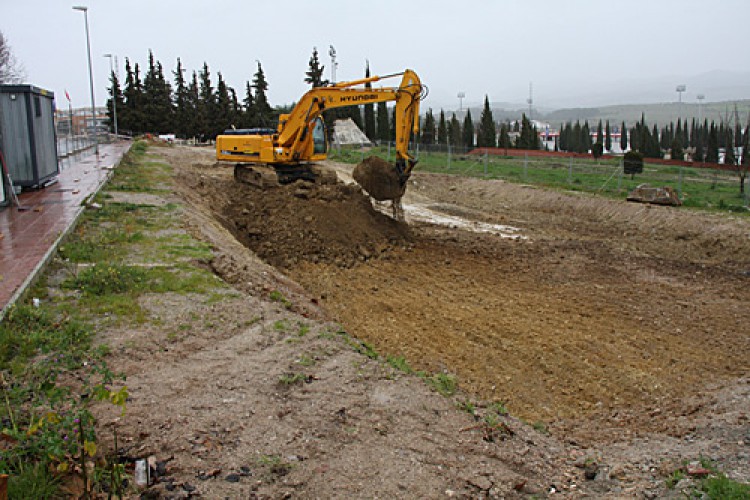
x=698, y=187
x=53, y=356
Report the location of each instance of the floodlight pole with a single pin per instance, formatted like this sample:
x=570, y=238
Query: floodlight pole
x=85, y=11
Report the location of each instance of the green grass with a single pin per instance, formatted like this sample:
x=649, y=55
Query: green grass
x=443, y=383
x=104, y=267
x=721, y=487
x=698, y=187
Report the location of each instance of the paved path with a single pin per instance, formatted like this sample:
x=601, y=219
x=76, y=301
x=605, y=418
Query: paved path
x=28, y=238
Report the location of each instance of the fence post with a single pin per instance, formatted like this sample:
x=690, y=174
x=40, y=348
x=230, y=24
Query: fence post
x=570, y=170
x=525, y=166
x=619, y=177
x=485, y=162
x=449, y=156
x=679, y=185
x=362, y=149
x=389, y=151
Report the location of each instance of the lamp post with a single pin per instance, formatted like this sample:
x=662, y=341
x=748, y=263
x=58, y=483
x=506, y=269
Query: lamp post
x=91, y=74
x=461, y=96
x=114, y=97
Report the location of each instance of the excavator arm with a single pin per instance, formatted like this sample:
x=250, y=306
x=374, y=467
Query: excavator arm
x=296, y=130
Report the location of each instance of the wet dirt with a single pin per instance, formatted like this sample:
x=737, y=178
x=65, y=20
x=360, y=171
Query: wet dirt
x=378, y=178
x=613, y=323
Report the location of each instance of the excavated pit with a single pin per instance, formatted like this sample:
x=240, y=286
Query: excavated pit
x=605, y=307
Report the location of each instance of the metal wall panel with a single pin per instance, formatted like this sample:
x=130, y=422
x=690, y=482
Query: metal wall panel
x=27, y=134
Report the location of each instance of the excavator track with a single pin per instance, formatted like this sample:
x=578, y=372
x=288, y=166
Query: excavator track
x=264, y=177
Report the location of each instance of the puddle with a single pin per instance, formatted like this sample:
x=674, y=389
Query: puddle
x=421, y=213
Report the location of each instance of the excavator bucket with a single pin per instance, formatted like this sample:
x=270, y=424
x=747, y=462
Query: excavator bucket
x=380, y=179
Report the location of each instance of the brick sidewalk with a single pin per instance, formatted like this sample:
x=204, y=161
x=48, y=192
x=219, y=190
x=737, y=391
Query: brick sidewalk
x=29, y=237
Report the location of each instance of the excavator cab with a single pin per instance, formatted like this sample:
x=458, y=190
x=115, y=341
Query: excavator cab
x=320, y=145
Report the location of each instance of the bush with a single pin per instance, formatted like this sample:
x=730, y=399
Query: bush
x=633, y=163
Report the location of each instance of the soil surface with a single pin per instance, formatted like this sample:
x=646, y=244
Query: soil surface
x=620, y=329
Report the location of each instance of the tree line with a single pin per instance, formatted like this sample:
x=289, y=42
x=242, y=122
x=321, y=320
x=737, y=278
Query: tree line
x=195, y=107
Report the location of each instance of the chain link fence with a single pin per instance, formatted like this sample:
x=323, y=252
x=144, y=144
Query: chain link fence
x=696, y=187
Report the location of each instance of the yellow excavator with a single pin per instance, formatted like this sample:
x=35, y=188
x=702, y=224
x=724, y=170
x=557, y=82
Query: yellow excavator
x=267, y=157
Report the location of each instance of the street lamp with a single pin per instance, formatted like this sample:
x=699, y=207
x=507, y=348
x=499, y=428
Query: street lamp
x=91, y=74
x=114, y=97
x=461, y=96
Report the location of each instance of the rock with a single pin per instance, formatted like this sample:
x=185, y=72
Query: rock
x=590, y=471
x=232, y=478
x=481, y=482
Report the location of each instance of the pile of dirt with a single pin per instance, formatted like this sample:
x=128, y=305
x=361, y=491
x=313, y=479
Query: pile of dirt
x=379, y=178
x=334, y=224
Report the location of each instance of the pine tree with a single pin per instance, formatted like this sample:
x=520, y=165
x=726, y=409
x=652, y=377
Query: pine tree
x=181, y=102
x=132, y=114
x=487, y=134
x=115, y=103
x=369, y=111
x=206, y=103
x=263, y=112
x=197, y=123
x=249, y=120
x=382, y=123
x=468, y=131
x=442, y=130
x=315, y=71
x=223, y=116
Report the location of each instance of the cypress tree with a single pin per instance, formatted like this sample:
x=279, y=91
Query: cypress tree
x=468, y=131
x=369, y=110
x=623, y=137
x=427, y=134
x=529, y=138
x=600, y=134
x=585, y=138
x=197, y=122
x=607, y=137
x=454, y=131
x=383, y=126
x=503, y=137
x=487, y=134
x=442, y=130
x=575, y=138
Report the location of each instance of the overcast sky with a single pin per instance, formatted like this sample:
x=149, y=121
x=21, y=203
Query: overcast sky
x=576, y=52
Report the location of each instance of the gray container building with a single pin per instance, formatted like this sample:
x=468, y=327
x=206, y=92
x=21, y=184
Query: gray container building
x=27, y=134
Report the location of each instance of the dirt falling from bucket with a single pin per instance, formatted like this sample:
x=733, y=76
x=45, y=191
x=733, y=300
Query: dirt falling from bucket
x=379, y=179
